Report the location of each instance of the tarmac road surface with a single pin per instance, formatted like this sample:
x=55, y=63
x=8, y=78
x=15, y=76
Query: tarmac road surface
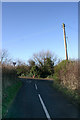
x=38, y=99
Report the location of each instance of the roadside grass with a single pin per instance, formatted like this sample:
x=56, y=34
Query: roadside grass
x=66, y=80
x=71, y=95
x=8, y=96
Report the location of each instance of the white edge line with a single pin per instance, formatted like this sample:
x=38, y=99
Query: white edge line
x=36, y=86
x=44, y=107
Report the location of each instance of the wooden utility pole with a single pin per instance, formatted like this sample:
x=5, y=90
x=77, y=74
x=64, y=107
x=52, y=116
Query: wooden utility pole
x=65, y=41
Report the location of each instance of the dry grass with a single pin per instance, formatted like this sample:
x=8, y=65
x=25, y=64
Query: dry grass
x=67, y=80
x=68, y=74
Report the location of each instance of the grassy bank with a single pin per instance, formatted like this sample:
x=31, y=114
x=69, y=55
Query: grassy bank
x=71, y=95
x=9, y=76
x=67, y=80
x=67, y=73
x=8, y=96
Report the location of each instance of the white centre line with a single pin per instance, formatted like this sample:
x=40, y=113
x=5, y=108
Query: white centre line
x=44, y=107
x=36, y=86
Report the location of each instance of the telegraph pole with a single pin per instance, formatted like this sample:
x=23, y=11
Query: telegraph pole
x=65, y=41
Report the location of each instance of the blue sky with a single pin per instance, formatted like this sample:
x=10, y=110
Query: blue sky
x=28, y=28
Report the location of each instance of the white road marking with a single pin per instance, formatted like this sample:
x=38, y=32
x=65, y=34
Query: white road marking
x=36, y=86
x=44, y=107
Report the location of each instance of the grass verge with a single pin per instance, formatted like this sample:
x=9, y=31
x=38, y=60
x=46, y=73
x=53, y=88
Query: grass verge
x=8, y=96
x=71, y=95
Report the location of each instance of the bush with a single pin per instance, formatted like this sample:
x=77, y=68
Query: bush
x=71, y=95
x=34, y=71
x=66, y=73
x=9, y=75
x=22, y=70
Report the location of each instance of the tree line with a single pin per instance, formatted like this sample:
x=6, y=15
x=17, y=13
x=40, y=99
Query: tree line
x=40, y=65
x=43, y=64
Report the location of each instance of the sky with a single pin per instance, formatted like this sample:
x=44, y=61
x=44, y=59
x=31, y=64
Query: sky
x=79, y=30
x=31, y=27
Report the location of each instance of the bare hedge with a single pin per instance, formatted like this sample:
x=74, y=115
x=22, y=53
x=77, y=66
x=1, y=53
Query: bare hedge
x=9, y=75
x=68, y=73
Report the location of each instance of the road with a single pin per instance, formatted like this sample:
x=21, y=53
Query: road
x=38, y=99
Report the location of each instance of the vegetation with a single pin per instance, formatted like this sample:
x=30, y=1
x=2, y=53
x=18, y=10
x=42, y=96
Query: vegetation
x=8, y=96
x=22, y=70
x=71, y=95
x=10, y=82
x=66, y=74
x=35, y=71
x=9, y=76
x=0, y=91
x=42, y=64
x=67, y=79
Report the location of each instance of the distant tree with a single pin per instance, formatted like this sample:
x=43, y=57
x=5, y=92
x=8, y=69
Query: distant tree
x=22, y=70
x=34, y=71
x=45, y=62
x=5, y=59
x=40, y=57
x=20, y=62
x=49, y=64
x=31, y=63
x=47, y=69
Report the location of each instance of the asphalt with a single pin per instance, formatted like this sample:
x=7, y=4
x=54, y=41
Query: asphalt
x=38, y=99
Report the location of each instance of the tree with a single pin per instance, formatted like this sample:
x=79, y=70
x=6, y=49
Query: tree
x=5, y=59
x=49, y=64
x=22, y=68
x=34, y=71
x=40, y=57
x=47, y=69
x=31, y=63
x=19, y=62
x=45, y=62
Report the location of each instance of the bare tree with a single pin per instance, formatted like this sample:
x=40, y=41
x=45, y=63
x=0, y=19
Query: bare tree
x=20, y=62
x=31, y=62
x=40, y=57
x=5, y=59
